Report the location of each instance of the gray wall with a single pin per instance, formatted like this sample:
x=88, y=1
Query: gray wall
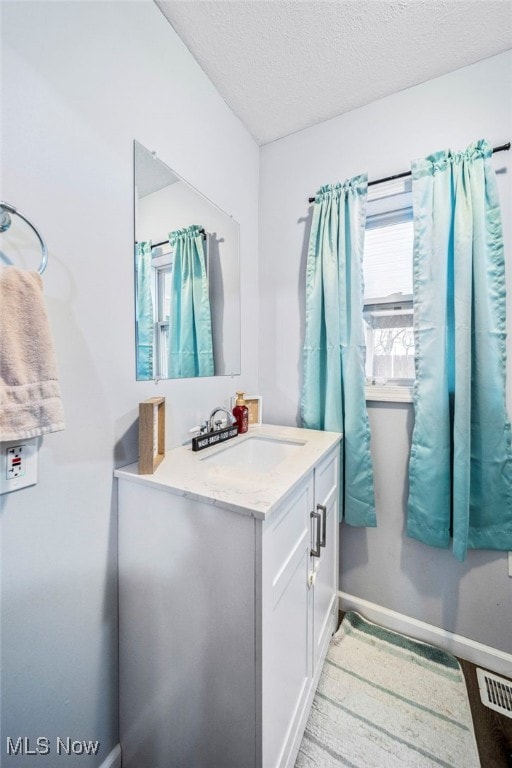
x=383, y=565
x=80, y=81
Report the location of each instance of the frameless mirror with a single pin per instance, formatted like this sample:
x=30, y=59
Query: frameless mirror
x=187, y=277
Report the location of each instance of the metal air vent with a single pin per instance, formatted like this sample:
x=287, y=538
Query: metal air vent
x=495, y=692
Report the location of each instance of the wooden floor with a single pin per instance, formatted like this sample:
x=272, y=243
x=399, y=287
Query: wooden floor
x=493, y=731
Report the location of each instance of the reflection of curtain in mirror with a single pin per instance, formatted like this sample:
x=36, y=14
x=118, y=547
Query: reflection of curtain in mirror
x=190, y=325
x=144, y=311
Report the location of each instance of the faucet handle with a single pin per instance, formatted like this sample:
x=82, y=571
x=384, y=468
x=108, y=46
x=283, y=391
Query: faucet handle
x=199, y=429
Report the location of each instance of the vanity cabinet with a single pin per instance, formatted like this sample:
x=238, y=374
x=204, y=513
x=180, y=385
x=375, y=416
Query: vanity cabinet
x=225, y=610
x=299, y=607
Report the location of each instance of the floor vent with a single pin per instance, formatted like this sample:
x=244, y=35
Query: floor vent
x=495, y=692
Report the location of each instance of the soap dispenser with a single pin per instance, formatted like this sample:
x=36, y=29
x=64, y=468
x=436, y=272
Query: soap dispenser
x=241, y=413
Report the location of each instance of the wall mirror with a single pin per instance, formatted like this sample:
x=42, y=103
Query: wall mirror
x=187, y=277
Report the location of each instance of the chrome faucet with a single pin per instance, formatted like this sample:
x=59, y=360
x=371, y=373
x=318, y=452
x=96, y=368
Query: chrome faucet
x=213, y=425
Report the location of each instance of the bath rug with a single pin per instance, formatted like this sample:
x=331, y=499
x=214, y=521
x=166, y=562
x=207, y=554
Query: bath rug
x=387, y=701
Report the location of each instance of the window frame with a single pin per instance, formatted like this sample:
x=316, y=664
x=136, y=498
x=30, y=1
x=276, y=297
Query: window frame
x=389, y=203
x=161, y=263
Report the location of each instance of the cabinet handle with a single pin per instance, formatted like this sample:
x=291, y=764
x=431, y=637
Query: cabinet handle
x=324, y=523
x=317, y=517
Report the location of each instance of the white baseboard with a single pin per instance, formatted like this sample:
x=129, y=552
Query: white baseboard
x=113, y=759
x=482, y=655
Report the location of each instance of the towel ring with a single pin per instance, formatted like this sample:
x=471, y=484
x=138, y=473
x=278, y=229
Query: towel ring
x=5, y=222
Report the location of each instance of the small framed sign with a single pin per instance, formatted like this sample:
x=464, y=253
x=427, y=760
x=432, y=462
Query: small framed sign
x=151, y=434
x=254, y=404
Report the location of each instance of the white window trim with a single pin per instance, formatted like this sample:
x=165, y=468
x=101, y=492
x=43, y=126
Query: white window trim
x=162, y=258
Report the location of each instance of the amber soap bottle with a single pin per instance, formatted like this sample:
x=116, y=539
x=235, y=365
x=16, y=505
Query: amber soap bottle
x=241, y=413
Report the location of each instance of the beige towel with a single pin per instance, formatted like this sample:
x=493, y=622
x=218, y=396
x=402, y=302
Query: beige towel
x=30, y=402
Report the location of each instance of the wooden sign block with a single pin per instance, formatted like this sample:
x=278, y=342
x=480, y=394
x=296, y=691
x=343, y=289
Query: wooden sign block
x=151, y=434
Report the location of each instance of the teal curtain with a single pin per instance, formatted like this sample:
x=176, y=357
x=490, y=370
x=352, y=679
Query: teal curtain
x=334, y=352
x=144, y=311
x=460, y=470
x=190, y=325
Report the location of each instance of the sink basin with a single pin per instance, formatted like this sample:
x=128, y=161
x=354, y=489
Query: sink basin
x=257, y=453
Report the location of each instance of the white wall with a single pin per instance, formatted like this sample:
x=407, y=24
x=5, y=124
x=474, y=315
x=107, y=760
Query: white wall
x=383, y=565
x=80, y=81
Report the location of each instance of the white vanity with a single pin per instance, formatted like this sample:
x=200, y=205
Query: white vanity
x=228, y=569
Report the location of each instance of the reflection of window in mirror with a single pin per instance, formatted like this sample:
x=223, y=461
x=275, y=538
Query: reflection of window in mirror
x=162, y=264
x=165, y=203
x=174, y=323
x=161, y=289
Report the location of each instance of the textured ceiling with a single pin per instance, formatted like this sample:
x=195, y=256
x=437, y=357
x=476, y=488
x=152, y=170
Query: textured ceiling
x=284, y=65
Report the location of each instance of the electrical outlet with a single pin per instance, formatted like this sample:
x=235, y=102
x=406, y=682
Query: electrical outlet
x=16, y=461
x=18, y=464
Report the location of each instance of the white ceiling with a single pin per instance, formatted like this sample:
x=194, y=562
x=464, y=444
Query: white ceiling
x=284, y=65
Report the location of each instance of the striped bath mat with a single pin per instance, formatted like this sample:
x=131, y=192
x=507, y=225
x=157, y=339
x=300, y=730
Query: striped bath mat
x=387, y=701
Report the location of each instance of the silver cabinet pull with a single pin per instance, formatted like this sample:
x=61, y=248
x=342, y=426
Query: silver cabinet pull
x=324, y=523
x=317, y=517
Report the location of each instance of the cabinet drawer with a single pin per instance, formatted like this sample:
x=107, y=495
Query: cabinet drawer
x=327, y=477
x=285, y=531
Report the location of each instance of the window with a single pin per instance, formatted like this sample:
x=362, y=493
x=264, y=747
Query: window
x=162, y=274
x=388, y=307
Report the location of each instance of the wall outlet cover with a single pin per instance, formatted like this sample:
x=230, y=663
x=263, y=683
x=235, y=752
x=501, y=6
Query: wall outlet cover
x=18, y=464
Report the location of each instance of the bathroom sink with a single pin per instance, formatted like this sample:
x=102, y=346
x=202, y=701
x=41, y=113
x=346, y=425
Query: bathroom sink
x=256, y=453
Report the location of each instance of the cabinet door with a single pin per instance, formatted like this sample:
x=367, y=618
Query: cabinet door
x=286, y=647
x=325, y=567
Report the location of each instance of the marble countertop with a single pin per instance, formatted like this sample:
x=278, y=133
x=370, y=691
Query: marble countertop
x=243, y=489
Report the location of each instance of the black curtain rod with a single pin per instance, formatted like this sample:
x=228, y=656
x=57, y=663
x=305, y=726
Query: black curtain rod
x=157, y=245
x=166, y=242
x=501, y=148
